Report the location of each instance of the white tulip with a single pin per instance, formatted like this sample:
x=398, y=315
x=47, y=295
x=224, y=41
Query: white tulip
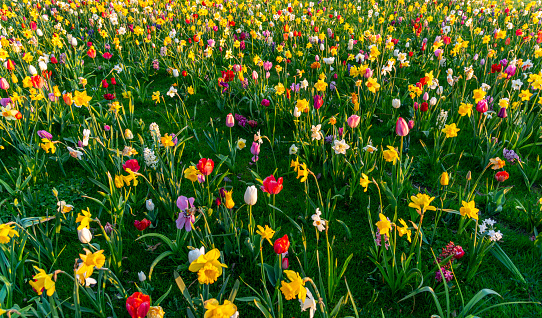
x=39, y=32
x=251, y=195
x=84, y=235
x=74, y=41
x=175, y=73
x=42, y=66
x=297, y=113
x=141, y=276
x=149, y=205
x=396, y=103
x=32, y=70
x=195, y=254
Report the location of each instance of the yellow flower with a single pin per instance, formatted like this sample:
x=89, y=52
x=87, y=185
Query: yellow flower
x=302, y=105
x=208, y=274
x=372, y=85
x=89, y=262
x=422, y=202
x=167, y=141
x=191, y=173
x=478, y=95
x=364, y=181
x=525, y=95
x=465, y=109
x=302, y=172
x=497, y=163
x=127, y=94
x=155, y=312
x=47, y=145
x=209, y=259
x=215, y=310
x=84, y=219
x=81, y=98
x=266, y=233
x=229, y=201
x=296, y=286
x=156, y=97
x=320, y=86
x=43, y=281
x=469, y=210
x=6, y=233
x=119, y=182
x=451, y=130
x=279, y=89
x=390, y=155
x=130, y=177
x=444, y=179
x=384, y=225
x=190, y=90
x=404, y=230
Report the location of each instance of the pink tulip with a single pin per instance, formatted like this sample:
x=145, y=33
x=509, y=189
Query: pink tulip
x=353, y=121
x=401, y=127
x=229, y=120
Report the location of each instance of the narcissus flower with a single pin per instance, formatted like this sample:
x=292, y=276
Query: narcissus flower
x=6, y=233
x=450, y=130
x=88, y=262
x=208, y=267
x=390, y=155
x=266, y=233
x=404, y=230
x=215, y=310
x=294, y=288
x=84, y=219
x=469, y=210
x=81, y=99
x=364, y=182
x=43, y=282
x=384, y=225
x=422, y=202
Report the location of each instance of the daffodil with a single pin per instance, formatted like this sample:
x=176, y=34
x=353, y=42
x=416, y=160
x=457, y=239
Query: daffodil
x=294, y=288
x=215, y=310
x=384, y=225
x=84, y=219
x=81, y=98
x=450, y=130
x=497, y=163
x=390, y=155
x=266, y=233
x=422, y=202
x=469, y=210
x=167, y=141
x=6, y=233
x=404, y=230
x=364, y=181
x=43, y=281
x=203, y=263
x=89, y=261
x=302, y=172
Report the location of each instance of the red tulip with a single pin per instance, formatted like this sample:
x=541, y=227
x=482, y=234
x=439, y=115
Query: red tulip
x=109, y=96
x=113, y=81
x=105, y=84
x=138, y=305
x=502, y=176
x=459, y=252
x=282, y=245
x=37, y=81
x=205, y=166
x=107, y=55
x=272, y=186
x=91, y=53
x=285, y=263
x=131, y=164
x=142, y=225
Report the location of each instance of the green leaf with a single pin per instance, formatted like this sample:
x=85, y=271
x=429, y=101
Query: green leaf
x=499, y=254
x=157, y=303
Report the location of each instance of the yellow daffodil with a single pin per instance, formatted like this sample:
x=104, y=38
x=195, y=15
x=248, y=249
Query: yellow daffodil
x=404, y=230
x=43, y=281
x=202, y=265
x=390, y=155
x=215, y=310
x=266, y=233
x=469, y=210
x=84, y=219
x=422, y=202
x=6, y=233
x=296, y=286
x=450, y=130
x=364, y=181
x=384, y=225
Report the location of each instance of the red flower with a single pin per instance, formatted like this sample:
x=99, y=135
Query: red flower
x=425, y=107
x=105, y=84
x=107, y=55
x=227, y=76
x=272, y=186
x=502, y=176
x=185, y=73
x=459, y=252
x=142, y=225
x=205, y=166
x=282, y=245
x=138, y=305
x=113, y=81
x=91, y=53
x=496, y=68
x=131, y=164
x=37, y=81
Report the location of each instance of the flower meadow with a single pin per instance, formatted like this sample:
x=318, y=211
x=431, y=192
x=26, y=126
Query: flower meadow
x=245, y=158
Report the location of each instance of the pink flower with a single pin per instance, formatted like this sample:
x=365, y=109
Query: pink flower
x=401, y=127
x=353, y=121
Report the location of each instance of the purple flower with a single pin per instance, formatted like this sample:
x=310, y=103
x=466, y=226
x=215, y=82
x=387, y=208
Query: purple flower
x=510, y=156
x=186, y=216
x=447, y=275
x=5, y=101
x=45, y=134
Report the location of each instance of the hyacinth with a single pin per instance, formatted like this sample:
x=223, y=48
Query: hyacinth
x=511, y=156
x=241, y=120
x=150, y=158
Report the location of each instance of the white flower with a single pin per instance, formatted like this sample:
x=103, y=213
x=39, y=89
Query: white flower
x=516, y=84
x=489, y=222
x=329, y=60
x=84, y=235
x=370, y=148
x=251, y=195
x=149, y=205
x=32, y=70
x=316, y=133
x=304, y=83
x=396, y=103
x=482, y=227
x=75, y=153
x=433, y=101
x=118, y=68
x=195, y=254
x=141, y=276
x=175, y=72
x=172, y=92
x=86, y=136
x=292, y=150
x=150, y=158
x=296, y=113
x=309, y=303
x=340, y=147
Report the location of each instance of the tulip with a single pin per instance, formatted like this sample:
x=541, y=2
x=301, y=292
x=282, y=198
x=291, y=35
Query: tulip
x=401, y=127
x=424, y=107
x=142, y=225
x=67, y=98
x=444, y=179
x=459, y=252
x=410, y=124
x=205, y=166
x=285, y=263
x=113, y=81
x=195, y=254
x=502, y=113
x=128, y=134
x=502, y=176
x=229, y=120
x=265, y=102
x=469, y=176
x=481, y=106
x=141, y=276
x=131, y=164
x=138, y=305
x=149, y=204
x=4, y=84
x=396, y=103
x=272, y=186
x=282, y=245
x=318, y=101
x=251, y=195
x=42, y=66
x=32, y=70
x=255, y=150
x=84, y=235
x=353, y=121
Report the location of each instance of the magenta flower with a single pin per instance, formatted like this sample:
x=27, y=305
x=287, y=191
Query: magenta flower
x=186, y=216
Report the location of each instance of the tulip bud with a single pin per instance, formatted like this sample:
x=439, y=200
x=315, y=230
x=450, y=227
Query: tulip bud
x=32, y=70
x=396, y=103
x=128, y=134
x=444, y=179
x=229, y=120
x=297, y=113
x=195, y=254
x=469, y=176
x=4, y=84
x=141, y=276
x=74, y=41
x=502, y=113
x=175, y=73
x=285, y=263
x=353, y=121
x=42, y=66
x=410, y=124
x=39, y=32
x=401, y=127
x=84, y=235
x=251, y=195
x=149, y=205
